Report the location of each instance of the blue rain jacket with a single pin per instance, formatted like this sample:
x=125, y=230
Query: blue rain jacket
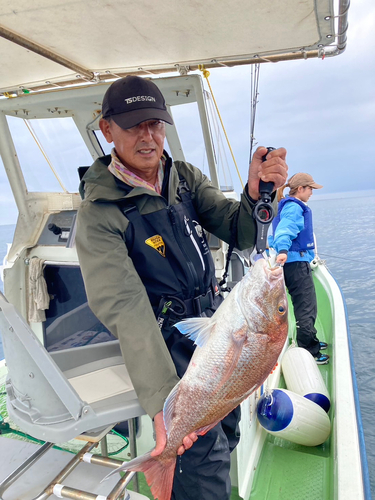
x=293, y=230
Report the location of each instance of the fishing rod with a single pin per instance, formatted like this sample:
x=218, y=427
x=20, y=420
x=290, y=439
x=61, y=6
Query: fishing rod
x=263, y=211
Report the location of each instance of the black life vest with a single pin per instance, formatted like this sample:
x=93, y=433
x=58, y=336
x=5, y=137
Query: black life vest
x=169, y=250
x=170, y=253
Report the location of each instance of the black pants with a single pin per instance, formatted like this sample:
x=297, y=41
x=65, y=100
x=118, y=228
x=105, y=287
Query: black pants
x=202, y=472
x=300, y=284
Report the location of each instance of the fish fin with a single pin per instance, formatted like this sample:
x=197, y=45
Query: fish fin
x=274, y=368
x=203, y=430
x=159, y=475
x=137, y=462
x=238, y=339
x=169, y=407
x=197, y=329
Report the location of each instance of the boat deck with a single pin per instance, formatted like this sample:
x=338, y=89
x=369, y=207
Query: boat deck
x=289, y=471
x=86, y=477
x=307, y=471
x=286, y=471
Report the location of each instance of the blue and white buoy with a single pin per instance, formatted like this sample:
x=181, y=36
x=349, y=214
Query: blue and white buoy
x=291, y=416
x=302, y=376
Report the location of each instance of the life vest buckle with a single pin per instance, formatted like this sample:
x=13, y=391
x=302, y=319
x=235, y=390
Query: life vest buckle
x=202, y=302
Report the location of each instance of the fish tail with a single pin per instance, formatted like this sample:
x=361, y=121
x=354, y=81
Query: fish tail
x=159, y=474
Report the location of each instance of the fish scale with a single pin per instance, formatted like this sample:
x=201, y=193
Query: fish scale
x=236, y=350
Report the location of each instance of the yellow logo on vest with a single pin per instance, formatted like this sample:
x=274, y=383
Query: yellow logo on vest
x=157, y=243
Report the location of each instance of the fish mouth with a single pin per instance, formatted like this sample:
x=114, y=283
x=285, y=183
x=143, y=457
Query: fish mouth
x=274, y=273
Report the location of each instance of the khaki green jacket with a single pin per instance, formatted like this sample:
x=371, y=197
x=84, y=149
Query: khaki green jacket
x=115, y=292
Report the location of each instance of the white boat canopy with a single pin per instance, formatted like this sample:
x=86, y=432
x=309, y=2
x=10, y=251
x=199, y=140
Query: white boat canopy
x=47, y=43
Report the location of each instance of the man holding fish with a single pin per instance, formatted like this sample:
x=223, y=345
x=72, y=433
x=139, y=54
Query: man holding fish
x=147, y=265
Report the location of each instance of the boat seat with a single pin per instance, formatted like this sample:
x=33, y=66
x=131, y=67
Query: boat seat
x=58, y=396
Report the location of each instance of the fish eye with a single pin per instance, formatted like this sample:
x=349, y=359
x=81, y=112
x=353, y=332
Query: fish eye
x=281, y=309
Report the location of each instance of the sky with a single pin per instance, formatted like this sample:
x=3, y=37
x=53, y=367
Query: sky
x=321, y=111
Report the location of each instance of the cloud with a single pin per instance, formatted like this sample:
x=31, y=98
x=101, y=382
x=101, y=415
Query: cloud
x=322, y=111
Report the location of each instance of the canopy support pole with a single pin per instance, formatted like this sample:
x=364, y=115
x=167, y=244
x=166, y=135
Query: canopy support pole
x=42, y=51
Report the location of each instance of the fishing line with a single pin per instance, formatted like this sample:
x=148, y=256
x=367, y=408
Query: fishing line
x=254, y=100
x=349, y=260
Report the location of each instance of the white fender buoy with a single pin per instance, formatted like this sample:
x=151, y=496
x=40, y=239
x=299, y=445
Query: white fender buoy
x=293, y=417
x=302, y=376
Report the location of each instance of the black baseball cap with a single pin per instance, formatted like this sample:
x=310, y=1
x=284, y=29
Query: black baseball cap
x=133, y=100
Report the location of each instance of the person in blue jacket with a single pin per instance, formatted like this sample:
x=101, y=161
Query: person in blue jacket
x=293, y=240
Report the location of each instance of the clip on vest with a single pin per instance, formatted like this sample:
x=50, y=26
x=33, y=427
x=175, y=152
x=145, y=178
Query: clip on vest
x=263, y=212
x=167, y=309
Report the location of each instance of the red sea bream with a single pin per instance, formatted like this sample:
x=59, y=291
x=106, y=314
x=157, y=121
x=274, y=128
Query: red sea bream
x=236, y=350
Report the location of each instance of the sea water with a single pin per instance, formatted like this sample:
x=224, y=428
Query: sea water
x=345, y=230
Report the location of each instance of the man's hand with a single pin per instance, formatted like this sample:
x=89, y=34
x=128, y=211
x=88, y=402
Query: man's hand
x=274, y=169
x=161, y=437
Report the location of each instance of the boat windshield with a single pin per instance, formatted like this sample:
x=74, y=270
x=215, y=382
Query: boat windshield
x=49, y=151
x=186, y=119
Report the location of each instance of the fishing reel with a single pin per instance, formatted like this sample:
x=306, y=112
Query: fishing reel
x=263, y=212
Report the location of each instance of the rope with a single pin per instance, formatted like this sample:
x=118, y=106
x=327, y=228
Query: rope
x=221, y=159
x=206, y=74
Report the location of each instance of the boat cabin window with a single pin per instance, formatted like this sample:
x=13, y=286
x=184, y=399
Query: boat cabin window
x=187, y=121
x=106, y=146
x=8, y=207
x=69, y=320
x=49, y=151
